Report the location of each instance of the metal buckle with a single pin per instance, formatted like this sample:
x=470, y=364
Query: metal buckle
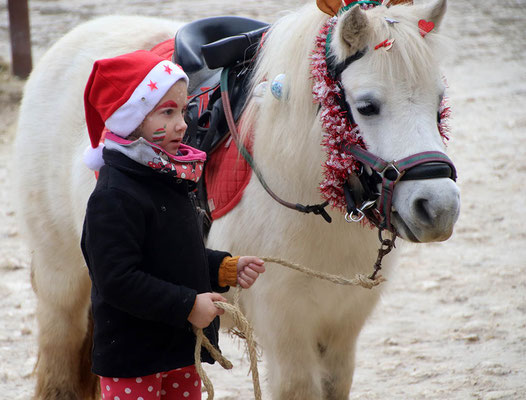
x=358, y=214
x=389, y=166
x=350, y=217
x=392, y=166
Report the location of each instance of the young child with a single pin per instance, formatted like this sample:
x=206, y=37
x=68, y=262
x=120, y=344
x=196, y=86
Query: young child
x=152, y=277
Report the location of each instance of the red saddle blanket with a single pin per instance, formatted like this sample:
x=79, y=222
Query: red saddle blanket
x=226, y=172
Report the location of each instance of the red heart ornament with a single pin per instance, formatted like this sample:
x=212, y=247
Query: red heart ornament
x=425, y=27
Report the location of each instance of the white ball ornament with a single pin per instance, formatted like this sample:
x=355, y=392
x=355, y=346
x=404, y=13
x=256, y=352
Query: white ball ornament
x=278, y=87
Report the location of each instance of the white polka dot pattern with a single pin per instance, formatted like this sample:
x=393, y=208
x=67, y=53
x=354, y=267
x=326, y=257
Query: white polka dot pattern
x=183, y=383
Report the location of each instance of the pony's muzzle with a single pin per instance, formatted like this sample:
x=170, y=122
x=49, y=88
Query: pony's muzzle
x=426, y=210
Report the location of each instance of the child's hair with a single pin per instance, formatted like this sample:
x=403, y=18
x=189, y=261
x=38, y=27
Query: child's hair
x=136, y=134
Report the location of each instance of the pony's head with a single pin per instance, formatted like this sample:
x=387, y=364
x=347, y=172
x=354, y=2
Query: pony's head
x=395, y=92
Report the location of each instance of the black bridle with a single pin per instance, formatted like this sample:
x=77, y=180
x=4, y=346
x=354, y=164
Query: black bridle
x=362, y=196
x=361, y=189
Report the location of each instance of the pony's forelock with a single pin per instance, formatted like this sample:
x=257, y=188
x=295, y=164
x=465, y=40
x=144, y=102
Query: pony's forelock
x=412, y=58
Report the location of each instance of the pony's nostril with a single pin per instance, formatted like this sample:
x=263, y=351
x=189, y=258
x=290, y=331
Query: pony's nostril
x=423, y=211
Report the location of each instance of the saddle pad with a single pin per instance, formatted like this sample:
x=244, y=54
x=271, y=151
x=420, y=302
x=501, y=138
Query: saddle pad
x=226, y=171
x=226, y=176
x=164, y=49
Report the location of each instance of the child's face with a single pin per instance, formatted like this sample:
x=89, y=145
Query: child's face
x=165, y=125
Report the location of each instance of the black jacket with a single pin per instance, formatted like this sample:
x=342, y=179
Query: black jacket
x=147, y=262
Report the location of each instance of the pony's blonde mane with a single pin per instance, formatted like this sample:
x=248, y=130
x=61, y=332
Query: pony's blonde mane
x=286, y=50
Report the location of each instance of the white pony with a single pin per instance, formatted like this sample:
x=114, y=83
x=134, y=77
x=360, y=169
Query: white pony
x=307, y=328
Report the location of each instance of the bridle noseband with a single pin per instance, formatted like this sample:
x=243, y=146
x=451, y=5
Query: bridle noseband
x=360, y=189
x=376, y=206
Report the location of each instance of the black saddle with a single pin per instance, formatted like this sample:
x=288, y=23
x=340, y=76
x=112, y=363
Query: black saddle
x=205, y=45
x=204, y=48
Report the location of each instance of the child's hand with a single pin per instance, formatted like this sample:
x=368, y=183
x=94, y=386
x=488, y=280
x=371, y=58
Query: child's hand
x=204, y=310
x=248, y=270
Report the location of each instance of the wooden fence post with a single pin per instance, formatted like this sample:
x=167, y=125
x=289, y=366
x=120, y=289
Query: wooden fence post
x=20, y=37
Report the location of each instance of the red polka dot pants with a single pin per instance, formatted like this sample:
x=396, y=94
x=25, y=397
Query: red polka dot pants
x=179, y=384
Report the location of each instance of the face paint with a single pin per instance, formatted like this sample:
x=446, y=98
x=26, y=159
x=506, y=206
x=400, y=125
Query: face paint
x=167, y=104
x=159, y=135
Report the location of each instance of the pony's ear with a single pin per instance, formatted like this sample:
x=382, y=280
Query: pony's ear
x=351, y=33
x=435, y=10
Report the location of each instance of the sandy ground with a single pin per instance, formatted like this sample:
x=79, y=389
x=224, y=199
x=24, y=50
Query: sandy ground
x=452, y=321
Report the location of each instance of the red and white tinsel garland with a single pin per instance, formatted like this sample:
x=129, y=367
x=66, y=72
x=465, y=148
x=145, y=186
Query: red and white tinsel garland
x=337, y=128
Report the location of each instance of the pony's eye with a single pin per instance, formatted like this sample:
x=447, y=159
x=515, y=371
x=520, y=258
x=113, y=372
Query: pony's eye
x=368, y=109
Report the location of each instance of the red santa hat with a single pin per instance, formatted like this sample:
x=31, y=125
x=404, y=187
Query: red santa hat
x=120, y=93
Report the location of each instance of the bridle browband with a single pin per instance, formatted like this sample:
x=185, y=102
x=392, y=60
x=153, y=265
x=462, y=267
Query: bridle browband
x=335, y=69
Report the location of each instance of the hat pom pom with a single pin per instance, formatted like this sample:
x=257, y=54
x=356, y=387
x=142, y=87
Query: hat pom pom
x=93, y=157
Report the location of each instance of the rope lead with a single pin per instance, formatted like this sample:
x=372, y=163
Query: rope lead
x=243, y=325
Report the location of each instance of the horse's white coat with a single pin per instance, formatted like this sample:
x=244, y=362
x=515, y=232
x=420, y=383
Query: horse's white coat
x=307, y=328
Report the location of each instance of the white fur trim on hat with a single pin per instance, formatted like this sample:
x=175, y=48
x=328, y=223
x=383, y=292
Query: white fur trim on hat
x=93, y=157
x=144, y=98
